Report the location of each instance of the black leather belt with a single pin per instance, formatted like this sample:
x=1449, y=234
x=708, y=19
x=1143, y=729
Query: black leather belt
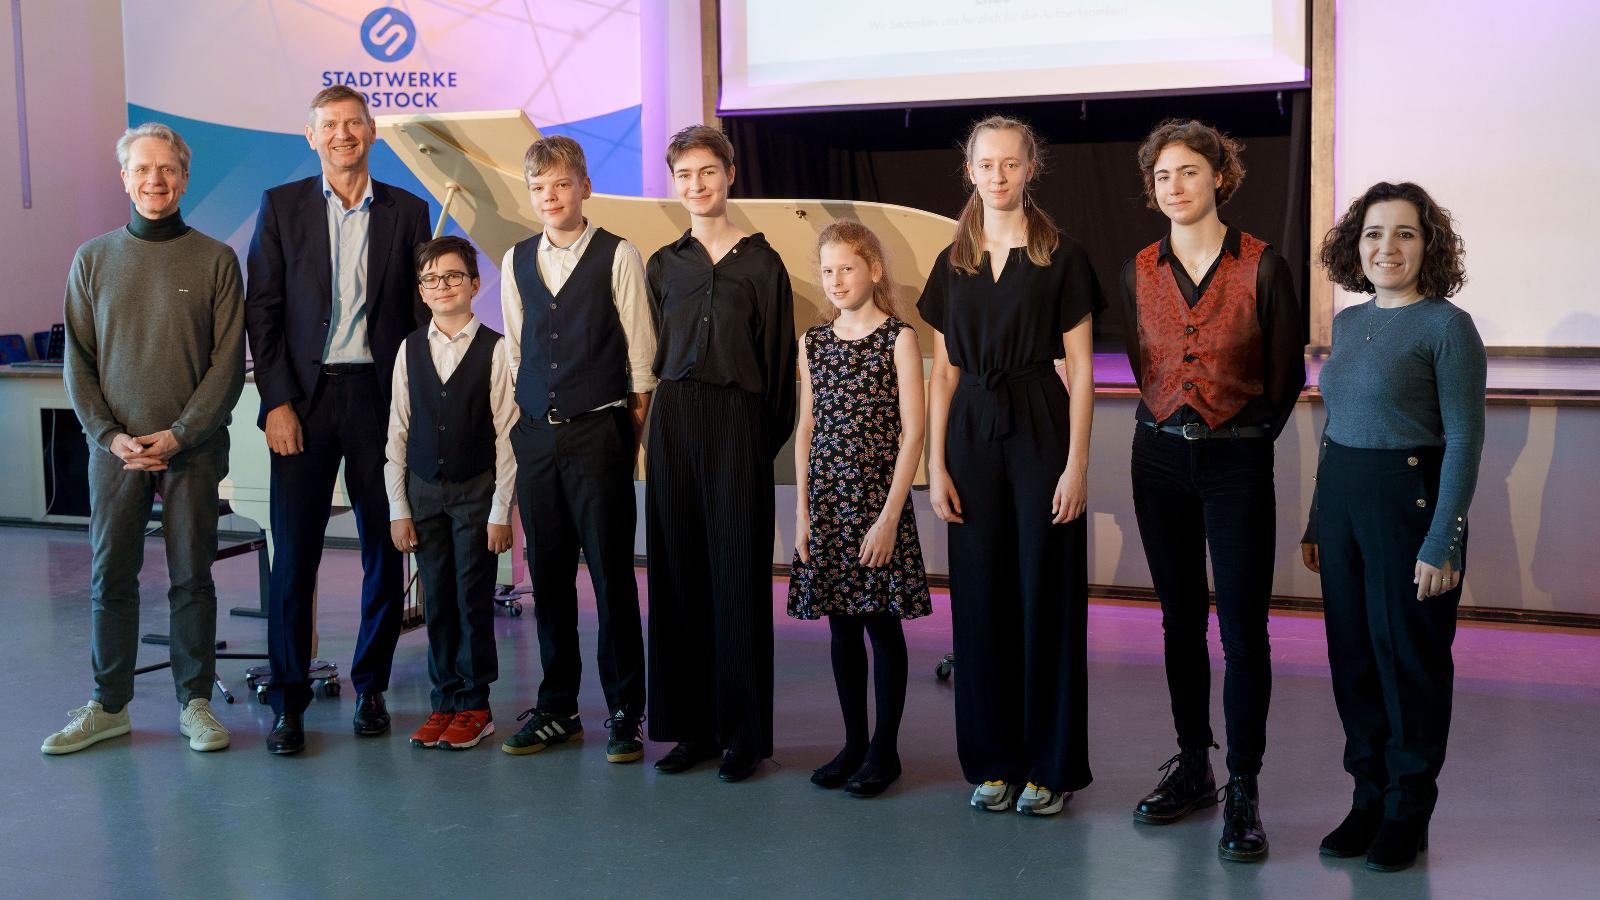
x=555, y=418
x=1199, y=431
x=345, y=368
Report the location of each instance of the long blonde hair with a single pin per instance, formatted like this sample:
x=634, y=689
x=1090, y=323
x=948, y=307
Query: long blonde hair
x=967, y=251
x=863, y=243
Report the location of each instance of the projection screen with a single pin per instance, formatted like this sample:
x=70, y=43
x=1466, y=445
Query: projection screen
x=780, y=54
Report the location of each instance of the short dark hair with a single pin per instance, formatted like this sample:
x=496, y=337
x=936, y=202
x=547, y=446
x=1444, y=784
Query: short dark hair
x=1443, y=273
x=700, y=137
x=1221, y=151
x=440, y=246
x=334, y=95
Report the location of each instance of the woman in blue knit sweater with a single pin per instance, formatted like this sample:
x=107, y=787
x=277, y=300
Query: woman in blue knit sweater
x=1404, y=392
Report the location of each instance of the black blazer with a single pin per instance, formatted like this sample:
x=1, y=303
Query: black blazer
x=288, y=298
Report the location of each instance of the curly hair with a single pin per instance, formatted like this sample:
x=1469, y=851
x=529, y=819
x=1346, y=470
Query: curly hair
x=1443, y=273
x=1221, y=151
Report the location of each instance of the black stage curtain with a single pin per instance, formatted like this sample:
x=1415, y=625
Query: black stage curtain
x=1090, y=185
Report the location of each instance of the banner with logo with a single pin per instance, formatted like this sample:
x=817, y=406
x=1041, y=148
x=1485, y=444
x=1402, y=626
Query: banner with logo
x=235, y=79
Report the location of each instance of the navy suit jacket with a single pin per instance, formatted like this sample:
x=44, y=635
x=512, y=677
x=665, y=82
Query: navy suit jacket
x=288, y=301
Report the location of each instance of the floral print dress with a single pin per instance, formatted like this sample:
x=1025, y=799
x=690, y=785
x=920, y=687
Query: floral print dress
x=855, y=403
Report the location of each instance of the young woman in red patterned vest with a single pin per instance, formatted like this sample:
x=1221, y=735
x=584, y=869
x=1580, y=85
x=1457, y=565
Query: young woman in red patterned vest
x=1215, y=337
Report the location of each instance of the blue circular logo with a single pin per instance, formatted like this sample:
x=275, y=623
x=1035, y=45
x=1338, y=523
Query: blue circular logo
x=388, y=34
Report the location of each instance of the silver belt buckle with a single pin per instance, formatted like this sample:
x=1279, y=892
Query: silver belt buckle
x=551, y=418
x=1196, y=435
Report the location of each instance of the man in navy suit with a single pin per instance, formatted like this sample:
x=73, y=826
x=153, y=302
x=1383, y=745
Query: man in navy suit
x=331, y=293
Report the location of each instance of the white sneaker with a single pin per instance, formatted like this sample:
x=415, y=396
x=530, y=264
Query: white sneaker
x=1041, y=801
x=994, y=796
x=89, y=725
x=200, y=726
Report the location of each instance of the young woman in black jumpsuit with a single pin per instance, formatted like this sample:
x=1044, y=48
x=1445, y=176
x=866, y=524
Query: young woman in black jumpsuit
x=1008, y=470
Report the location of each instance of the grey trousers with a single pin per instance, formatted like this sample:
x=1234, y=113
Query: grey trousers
x=119, y=515
x=458, y=573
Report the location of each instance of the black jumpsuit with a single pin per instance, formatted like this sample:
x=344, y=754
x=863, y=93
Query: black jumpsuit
x=1018, y=584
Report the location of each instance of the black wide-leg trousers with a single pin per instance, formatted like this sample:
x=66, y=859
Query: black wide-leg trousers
x=709, y=531
x=1190, y=497
x=575, y=492
x=1389, y=653
x=1018, y=591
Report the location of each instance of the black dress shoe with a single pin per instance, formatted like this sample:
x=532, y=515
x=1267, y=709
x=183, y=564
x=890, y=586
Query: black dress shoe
x=738, y=764
x=1187, y=785
x=372, y=717
x=836, y=771
x=685, y=756
x=288, y=735
x=1243, y=837
x=866, y=783
x=1396, y=845
x=1354, y=835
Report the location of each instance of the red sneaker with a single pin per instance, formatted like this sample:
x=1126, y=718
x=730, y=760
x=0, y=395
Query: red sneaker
x=428, y=734
x=466, y=730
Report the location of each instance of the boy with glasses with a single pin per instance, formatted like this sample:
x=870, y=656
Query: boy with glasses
x=450, y=475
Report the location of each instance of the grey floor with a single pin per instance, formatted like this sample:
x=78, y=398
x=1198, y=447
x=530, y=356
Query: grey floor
x=144, y=816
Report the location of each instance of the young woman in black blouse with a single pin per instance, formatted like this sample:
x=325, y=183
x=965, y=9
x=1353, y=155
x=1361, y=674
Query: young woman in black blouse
x=1213, y=333
x=726, y=357
x=1008, y=460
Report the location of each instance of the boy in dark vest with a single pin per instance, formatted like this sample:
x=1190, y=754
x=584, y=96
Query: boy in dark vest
x=450, y=475
x=582, y=343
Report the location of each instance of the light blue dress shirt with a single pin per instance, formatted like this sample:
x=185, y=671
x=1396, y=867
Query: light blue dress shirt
x=347, y=240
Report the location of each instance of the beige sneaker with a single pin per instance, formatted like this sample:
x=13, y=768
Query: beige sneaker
x=200, y=726
x=89, y=725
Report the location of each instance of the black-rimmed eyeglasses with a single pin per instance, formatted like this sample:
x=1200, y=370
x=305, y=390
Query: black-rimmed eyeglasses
x=448, y=279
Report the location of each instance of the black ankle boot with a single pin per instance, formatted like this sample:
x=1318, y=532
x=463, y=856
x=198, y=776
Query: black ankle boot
x=1397, y=845
x=1354, y=835
x=1187, y=785
x=1243, y=837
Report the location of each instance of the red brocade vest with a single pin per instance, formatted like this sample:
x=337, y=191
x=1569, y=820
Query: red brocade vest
x=1208, y=357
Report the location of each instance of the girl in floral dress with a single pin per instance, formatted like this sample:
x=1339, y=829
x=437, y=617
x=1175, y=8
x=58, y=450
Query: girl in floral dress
x=857, y=560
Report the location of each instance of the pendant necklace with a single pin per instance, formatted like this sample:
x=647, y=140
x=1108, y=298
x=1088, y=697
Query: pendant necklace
x=1372, y=334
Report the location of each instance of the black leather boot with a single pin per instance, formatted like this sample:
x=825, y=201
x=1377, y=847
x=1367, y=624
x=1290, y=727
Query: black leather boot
x=1187, y=785
x=1354, y=835
x=1397, y=845
x=1243, y=837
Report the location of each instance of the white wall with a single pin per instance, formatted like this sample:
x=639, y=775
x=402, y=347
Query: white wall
x=72, y=53
x=1490, y=106
x=669, y=67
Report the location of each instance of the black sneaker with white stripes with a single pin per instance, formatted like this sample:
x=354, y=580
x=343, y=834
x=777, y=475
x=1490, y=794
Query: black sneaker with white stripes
x=543, y=729
x=624, y=745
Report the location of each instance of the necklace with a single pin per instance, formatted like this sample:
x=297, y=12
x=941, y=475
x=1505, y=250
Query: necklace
x=1372, y=334
x=1198, y=270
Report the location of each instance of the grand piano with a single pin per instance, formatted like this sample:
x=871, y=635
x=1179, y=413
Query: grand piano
x=472, y=165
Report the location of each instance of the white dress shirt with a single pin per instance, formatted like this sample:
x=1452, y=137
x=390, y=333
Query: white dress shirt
x=628, y=292
x=447, y=353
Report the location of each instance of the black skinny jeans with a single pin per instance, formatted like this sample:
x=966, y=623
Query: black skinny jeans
x=1216, y=495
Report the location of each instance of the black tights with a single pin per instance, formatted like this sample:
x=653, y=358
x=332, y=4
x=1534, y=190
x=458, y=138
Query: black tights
x=889, y=682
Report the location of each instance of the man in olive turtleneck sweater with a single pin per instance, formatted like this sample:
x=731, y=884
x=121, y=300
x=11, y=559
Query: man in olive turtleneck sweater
x=154, y=366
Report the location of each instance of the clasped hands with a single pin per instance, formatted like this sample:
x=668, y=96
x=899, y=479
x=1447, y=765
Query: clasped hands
x=145, y=453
